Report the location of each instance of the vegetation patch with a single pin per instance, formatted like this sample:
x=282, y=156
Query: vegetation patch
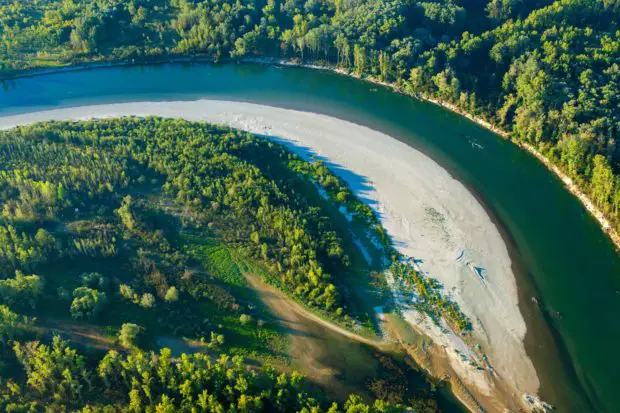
x=120, y=235
x=428, y=297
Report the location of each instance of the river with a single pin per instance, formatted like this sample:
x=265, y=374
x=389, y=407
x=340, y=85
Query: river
x=568, y=271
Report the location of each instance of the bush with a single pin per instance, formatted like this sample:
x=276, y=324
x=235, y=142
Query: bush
x=172, y=295
x=87, y=303
x=128, y=293
x=15, y=292
x=245, y=319
x=129, y=335
x=147, y=300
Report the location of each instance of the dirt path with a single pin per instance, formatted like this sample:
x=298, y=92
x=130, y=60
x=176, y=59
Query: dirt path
x=289, y=310
x=83, y=335
x=340, y=361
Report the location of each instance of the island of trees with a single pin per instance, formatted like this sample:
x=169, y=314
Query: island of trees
x=546, y=72
x=124, y=246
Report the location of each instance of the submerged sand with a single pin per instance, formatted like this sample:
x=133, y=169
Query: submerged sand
x=430, y=215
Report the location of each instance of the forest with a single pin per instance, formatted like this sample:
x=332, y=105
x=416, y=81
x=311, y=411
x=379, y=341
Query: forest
x=545, y=72
x=124, y=246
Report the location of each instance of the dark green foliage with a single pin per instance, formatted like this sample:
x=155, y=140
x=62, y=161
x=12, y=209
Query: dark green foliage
x=551, y=80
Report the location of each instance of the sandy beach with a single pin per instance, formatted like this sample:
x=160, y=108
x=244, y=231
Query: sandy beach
x=431, y=217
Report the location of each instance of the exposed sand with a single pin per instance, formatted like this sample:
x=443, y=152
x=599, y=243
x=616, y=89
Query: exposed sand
x=430, y=216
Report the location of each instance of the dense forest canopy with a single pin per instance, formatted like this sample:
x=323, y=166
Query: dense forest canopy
x=119, y=235
x=546, y=72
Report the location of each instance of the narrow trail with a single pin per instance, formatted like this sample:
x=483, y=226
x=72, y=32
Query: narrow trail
x=287, y=309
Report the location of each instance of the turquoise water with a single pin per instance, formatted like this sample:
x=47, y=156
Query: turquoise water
x=561, y=256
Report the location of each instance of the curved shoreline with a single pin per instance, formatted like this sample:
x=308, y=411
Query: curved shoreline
x=401, y=184
x=568, y=183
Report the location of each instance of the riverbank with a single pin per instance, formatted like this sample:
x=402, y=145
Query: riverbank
x=574, y=189
x=429, y=215
x=569, y=184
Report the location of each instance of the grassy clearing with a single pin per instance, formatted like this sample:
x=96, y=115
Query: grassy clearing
x=214, y=257
x=259, y=338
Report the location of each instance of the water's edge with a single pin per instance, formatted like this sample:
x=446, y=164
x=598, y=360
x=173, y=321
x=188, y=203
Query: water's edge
x=568, y=183
x=525, y=291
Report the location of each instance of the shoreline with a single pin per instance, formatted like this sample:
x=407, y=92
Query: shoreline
x=606, y=227
x=404, y=183
x=568, y=183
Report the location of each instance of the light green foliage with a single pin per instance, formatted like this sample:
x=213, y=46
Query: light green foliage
x=245, y=319
x=21, y=251
x=217, y=259
x=125, y=213
x=216, y=340
x=172, y=295
x=22, y=291
x=602, y=182
x=339, y=192
x=128, y=293
x=56, y=372
x=129, y=334
x=147, y=300
x=11, y=325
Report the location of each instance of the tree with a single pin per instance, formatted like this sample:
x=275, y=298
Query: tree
x=172, y=295
x=573, y=156
x=21, y=290
x=602, y=182
x=129, y=334
x=501, y=9
x=11, y=325
x=125, y=213
x=57, y=372
x=448, y=85
x=95, y=280
x=147, y=300
x=359, y=59
x=166, y=405
x=127, y=293
x=343, y=51
x=616, y=198
x=87, y=303
x=384, y=66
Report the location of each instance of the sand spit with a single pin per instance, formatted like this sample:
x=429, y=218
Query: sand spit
x=430, y=216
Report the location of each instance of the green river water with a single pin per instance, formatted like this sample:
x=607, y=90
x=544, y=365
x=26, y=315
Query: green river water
x=560, y=255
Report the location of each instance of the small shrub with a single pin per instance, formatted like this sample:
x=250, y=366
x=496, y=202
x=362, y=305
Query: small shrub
x=172, y=295
x=147, y=300
x=245, y=319
x=129, y=335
